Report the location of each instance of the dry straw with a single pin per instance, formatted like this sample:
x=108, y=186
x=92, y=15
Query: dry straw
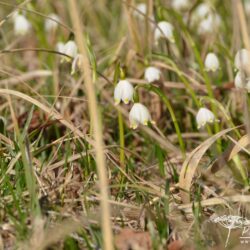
x=96, y=122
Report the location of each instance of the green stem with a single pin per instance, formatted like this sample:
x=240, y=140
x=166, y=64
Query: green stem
x=209, y=88
x=121, y=137
x=172, y=114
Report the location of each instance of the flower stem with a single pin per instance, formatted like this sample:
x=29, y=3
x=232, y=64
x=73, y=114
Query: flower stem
x=121, y=138
x=172, y=114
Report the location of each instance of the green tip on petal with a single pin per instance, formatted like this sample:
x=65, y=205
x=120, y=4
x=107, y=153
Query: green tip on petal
x=133, y=125
x=117, y=102
x=126, y=101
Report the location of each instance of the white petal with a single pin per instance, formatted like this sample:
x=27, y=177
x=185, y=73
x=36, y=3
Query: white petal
x=204, y=116
x=152, y=74
x=70, y=48
x=21, y=25
x=76, y=64
x=60, y=47
x=242, y=60
x=141, y=10
x=181, y=4
x=248, y=86
x=239, y=80
x=139, y=114
x=124, y=91
x=212, y=62
x=164, y=30
x=117, y=94
x=202, y=10
x=50, y=24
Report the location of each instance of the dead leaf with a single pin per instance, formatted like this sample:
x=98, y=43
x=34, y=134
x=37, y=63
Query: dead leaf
x=175, y=245
x=131, y=240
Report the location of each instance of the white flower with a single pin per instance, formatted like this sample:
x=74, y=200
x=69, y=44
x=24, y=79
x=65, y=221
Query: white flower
x=51, y=25
x=242, y=60
x=124, y=91
x=141, y=13
x=202, y=11
x=141, y=10
x=180, y=5
x=209, y=25
x=247, y=7
x=77, y=63
x=248, y=86
x=164, y=30
x=204, y=116
x=21, y=24
x=241, y=82
x=69, y=49
x=212, y=62
x=60, y=47
x=139, y=114
x=152, y=74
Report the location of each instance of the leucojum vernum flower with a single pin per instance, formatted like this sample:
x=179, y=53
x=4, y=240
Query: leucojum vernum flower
x=212, y=62
x=51, y=23
x=124, y=91
x=139, y=114
x=21, y=24
x=152, y=74
x=164, y=30
x=242, y=65
x=204, y=116
x=69, y=48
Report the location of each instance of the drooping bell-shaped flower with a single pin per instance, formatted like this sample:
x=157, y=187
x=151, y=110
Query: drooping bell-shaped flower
x=164, y=30
x=51, y=25
x=242, y=60
x=139, y=114
x=141, y=10
x=124, y=91
x=204, y=116
x=247, y=7
x=181, y=5
x=202, y=11
x=21, y=24
x=68, y=48
x=60, y=47
x=212, y=62
x=152, y=74
x=241, y=81
x=209, y=24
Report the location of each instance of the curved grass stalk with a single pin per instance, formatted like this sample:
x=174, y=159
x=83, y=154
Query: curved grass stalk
x=121, y=138
x=157, y=91
x=181, y=76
